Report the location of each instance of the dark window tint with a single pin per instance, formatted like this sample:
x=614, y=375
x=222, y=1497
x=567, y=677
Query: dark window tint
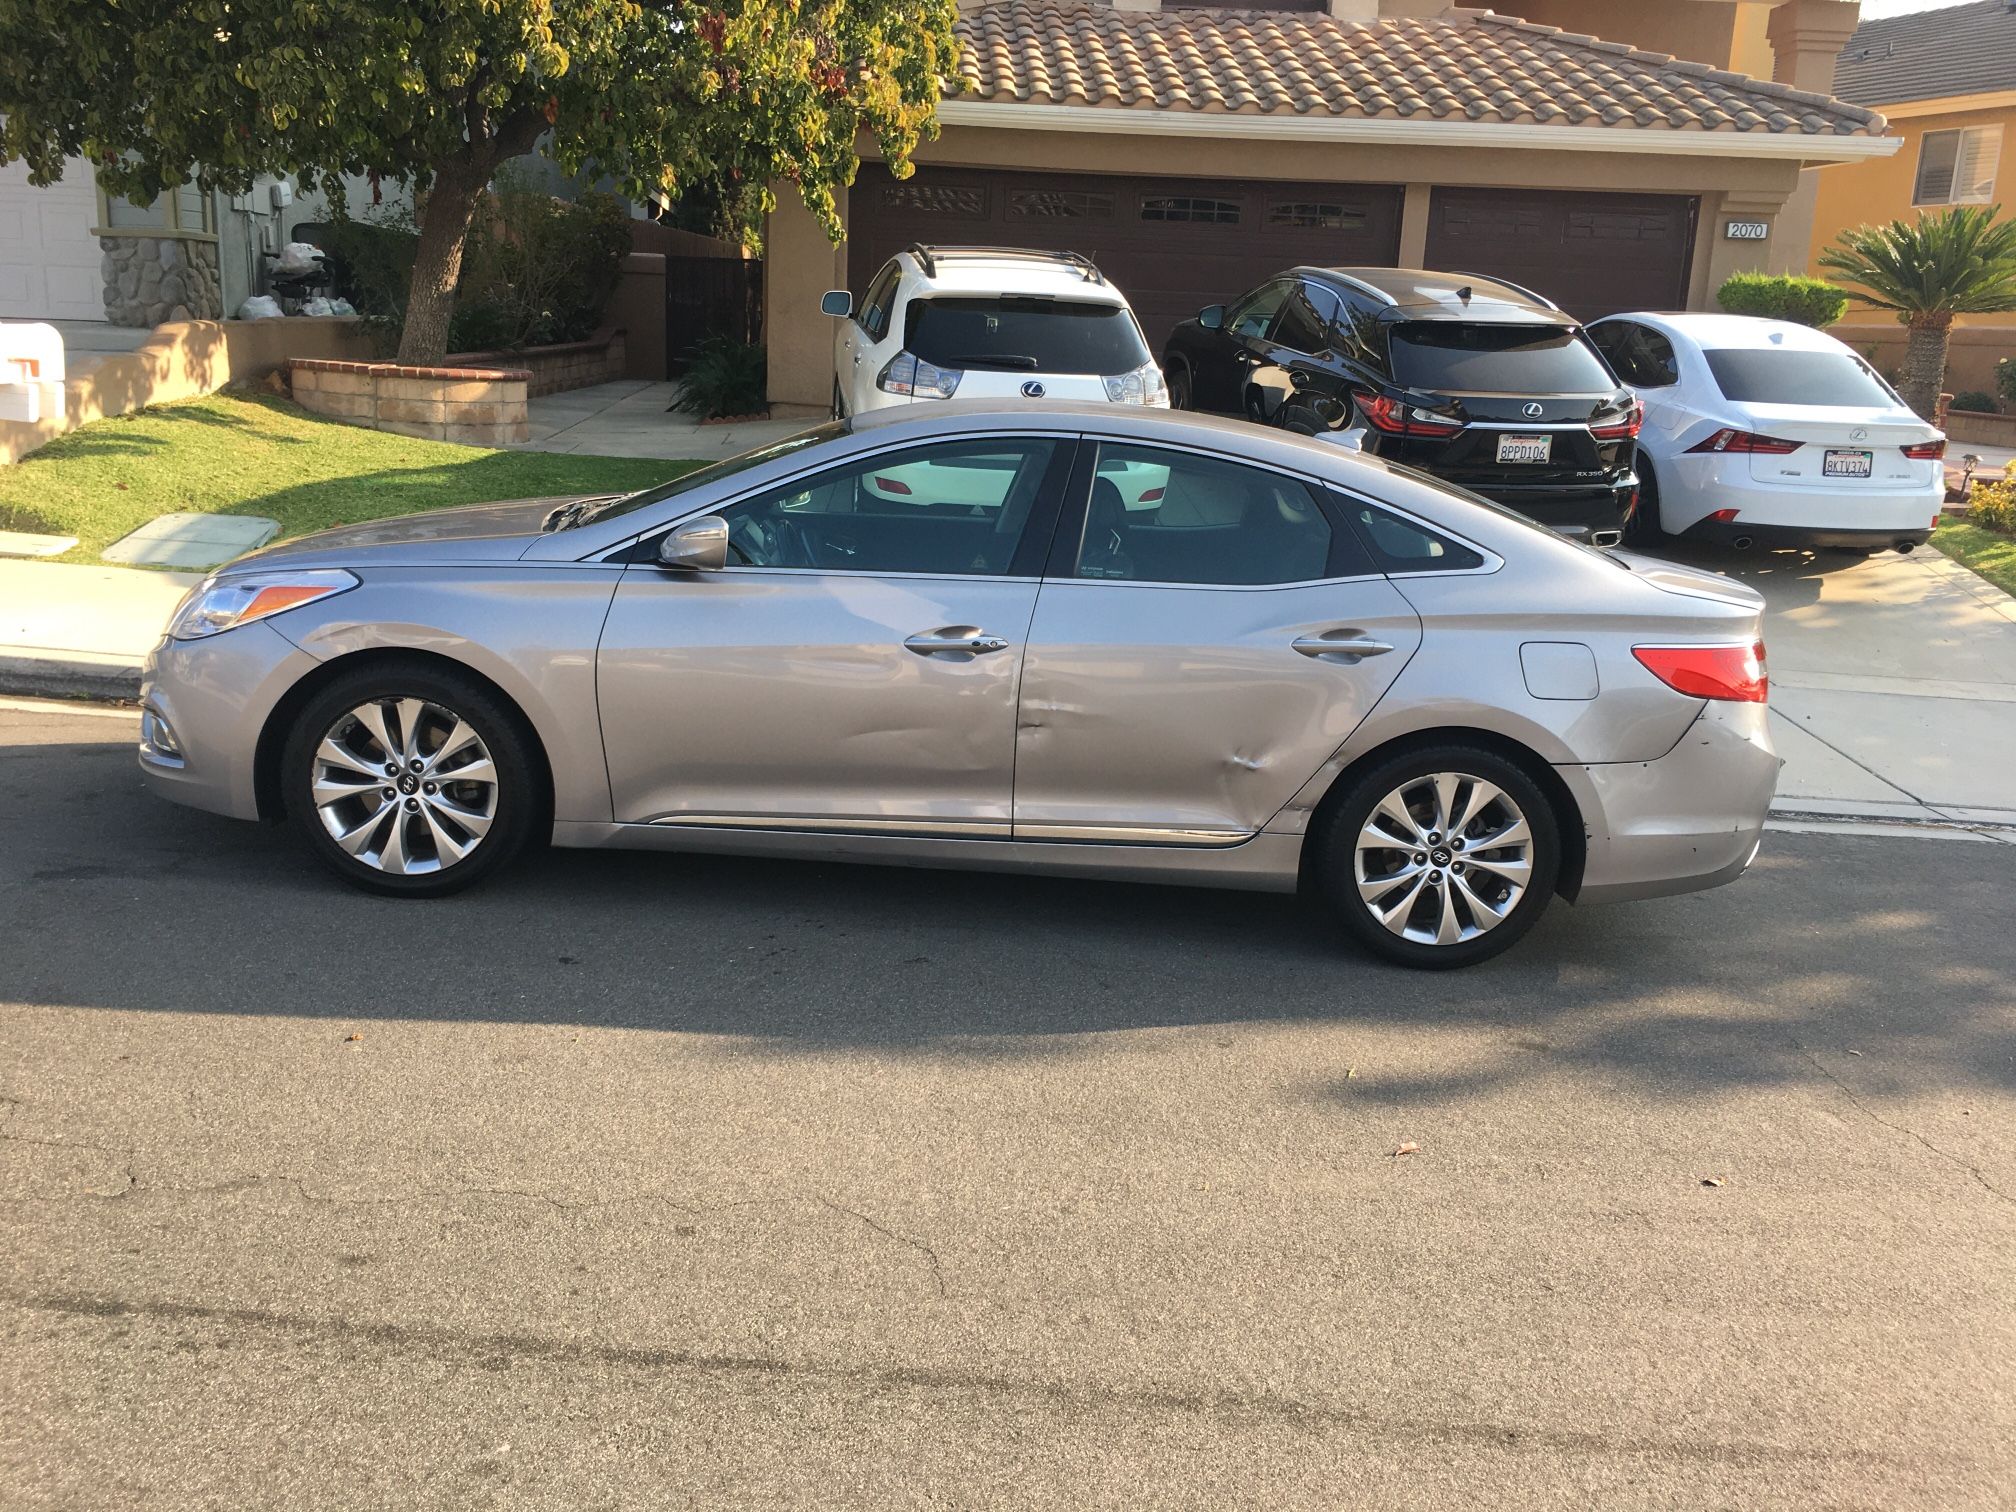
x=1452, y=357
x=881, y=298
x=1780, y=377
x=956, y=507
x=1170, y=207
x=1254, y=315
x=1025, y=335
x=1639, y=355
x=1160, y=516
x=1402, y=546
x=1300, y=329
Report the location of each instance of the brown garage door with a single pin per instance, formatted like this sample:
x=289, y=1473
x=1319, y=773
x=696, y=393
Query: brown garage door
x=1592, y=254
x=1171, y=245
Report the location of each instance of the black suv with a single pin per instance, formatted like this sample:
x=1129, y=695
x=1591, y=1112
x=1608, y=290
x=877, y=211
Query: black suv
x=1473, y=379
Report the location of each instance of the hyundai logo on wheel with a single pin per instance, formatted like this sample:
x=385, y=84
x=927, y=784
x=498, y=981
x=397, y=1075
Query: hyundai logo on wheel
x=1032, y=390
x=1533, y=411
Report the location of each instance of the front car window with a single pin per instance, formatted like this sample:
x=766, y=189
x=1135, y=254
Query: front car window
x=1461, y=357
x=714, y=472
x=1158, y=516
x=955, y=507
x=881, y=297
x=1832, y=379
x=1254, y=314
x=1025, y=333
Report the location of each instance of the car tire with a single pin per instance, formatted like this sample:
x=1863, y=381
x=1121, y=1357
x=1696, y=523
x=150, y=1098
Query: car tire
x=460, y=802
x=839, y=408
x=1446, y=901
x=1645, y=528
x=1179, y=387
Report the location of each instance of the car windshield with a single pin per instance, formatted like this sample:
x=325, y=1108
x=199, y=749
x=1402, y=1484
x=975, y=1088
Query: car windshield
x=1453, y=357
x=1021, y=333
x=588, y=511
x=1830, y=379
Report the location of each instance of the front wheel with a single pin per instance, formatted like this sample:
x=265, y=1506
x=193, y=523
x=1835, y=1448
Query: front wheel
x=410, y=781
x=839, y=407
x=1442, y=857
x=1179, y=387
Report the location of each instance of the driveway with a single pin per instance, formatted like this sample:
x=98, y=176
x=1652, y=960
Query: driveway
x=639, y=1180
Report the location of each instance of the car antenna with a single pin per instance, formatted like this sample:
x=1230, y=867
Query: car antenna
x=1464, y=293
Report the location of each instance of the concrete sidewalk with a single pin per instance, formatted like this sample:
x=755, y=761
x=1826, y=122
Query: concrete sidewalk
x=630, y=419
x=1893, y=680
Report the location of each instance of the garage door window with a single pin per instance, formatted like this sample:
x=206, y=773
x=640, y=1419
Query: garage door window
x=964, y=202
x=1058, y=204
x=1317, y=215
x=1185, y=207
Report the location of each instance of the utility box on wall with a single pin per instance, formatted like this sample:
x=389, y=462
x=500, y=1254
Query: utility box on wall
x=31, y=366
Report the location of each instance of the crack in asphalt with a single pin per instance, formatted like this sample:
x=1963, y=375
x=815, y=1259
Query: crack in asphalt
x=937, y=1270
x=1073, y=1398
x=1873, y=1116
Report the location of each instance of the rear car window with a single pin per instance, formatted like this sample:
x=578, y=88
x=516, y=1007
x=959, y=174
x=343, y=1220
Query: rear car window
x=1748, y=376
x=1018, y=333
x=1452, y=357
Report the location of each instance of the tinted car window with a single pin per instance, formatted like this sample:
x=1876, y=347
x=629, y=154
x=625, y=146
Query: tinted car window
x=1780, y=377
x=1400, y=545
x=1022, y=334
x=1641, y=356
x=1160, y=516
x=953, y=507
x=1254, y=314
x=876, y=307
x=1300, y=329
x=1453, y=357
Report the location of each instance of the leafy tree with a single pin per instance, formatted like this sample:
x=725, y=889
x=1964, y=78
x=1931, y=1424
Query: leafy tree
x=440, y=93
x=1958, y=262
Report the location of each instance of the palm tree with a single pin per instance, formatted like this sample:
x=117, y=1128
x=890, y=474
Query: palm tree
x=1958, y=262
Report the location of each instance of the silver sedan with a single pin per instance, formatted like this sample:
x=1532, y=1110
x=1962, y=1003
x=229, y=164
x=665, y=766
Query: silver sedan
x=1119, y=643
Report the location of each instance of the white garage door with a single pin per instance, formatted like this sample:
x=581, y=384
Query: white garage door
x=48, y=257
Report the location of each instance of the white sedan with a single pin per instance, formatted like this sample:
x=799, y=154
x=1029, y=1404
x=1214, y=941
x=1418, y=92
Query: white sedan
x=1767, y=433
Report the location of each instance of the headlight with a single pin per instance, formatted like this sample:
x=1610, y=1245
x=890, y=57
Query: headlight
x=1142, y=386
x=223, y=604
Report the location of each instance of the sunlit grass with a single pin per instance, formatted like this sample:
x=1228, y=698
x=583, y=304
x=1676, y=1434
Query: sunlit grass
x=1988, y=552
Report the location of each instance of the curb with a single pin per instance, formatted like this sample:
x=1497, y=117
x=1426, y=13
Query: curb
x=78, y=674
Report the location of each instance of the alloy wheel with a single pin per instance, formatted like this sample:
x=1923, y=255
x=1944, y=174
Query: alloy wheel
x=1443, y=858
x=405, y=786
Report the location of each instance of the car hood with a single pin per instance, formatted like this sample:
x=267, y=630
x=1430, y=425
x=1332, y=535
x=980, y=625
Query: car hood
x=475, y=533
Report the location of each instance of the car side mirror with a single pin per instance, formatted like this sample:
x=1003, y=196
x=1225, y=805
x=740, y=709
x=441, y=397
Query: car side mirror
x=697, y=545
x=836, y=302
x=1211, y=317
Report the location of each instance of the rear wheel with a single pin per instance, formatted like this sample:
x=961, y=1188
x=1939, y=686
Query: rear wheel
x=410, y=781
x=1441, y=857
x=1644, y=528
x=839, y=409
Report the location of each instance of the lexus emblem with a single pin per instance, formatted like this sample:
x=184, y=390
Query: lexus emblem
x=1032, y=390
x=1533, y=411
x=1860, y=433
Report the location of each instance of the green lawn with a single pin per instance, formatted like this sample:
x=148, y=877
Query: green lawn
x=258, y=455
x=1988, y=552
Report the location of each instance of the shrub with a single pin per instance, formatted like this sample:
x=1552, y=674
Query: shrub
x=1993, y=505
x=1781, y=296
x=1975, y=399
x=2005, y=378
x=727, y=377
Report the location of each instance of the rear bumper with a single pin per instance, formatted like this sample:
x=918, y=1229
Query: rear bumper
x=1792, y=514
x=1692, y=819
x=1740, y=532
x=1573, y=509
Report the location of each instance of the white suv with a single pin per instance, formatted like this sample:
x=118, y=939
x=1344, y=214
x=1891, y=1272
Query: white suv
x=988, y=323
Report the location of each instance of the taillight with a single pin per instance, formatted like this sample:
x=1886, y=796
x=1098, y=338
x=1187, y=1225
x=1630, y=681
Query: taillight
x=1736, y=673
x=1621, y=430
x=1745, y=441
x=1927, y=451
x=1396, y=419
x=906, y=373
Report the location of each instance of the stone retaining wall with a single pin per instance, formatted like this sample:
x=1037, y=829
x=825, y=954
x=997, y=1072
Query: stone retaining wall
x=152, y=279
x=470, y=405
x=555, y=369
x=1979, y=427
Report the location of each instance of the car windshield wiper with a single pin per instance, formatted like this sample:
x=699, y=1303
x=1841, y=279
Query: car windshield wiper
x=992, y=359
x=577, y=512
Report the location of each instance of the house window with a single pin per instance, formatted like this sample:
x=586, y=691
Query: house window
x=1957, y=167
x=1058, y=204
x=1184, y=207
x=936, y=199
x=1320, y=215
x=184, y=211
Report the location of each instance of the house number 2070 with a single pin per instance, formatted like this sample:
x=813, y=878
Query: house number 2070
x=1746, y=230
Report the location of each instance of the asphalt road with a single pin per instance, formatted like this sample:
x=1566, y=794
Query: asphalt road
x=635, y=1181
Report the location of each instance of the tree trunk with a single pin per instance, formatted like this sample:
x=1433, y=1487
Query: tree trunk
x=437, y=261
x=1925, y=363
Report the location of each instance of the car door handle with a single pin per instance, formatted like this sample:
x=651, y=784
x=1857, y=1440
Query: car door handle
x=1246, y=357
x=954, y=640
x=1347, y=648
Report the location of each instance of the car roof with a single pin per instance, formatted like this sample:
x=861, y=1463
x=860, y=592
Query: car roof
x=1421, y=294
x=1744, y=332
x=1005, y=270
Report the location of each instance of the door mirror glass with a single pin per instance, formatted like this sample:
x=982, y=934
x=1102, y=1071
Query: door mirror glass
x=1211, y=317
x=836, y=302
x=698, y=545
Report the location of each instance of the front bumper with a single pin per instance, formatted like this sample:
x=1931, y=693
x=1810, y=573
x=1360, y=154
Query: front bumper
x=214, y=696
x=1690, y=820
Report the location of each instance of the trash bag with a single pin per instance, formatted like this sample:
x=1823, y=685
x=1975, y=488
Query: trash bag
x=318, y=306
x=260, y=307
x=299, y=257
x=340, y=306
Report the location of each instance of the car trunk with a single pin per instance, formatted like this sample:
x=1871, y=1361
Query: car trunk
x=1848, y=436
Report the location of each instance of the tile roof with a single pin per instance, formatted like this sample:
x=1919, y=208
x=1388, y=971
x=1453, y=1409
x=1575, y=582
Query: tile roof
x=1956, y=50
x=1464, y=65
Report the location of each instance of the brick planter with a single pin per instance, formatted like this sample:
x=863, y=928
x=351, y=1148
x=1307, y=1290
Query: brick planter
x=470, y=405
x=555, y=369
x=1980, y=428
